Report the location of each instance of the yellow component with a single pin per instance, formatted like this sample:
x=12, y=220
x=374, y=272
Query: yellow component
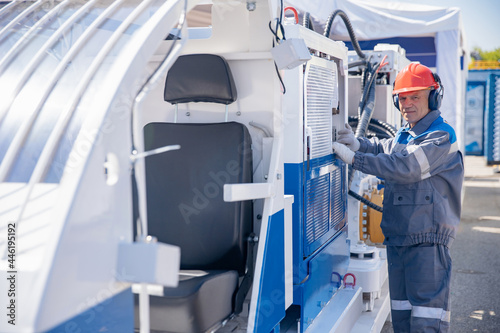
x=369, y=223
x=484, y=64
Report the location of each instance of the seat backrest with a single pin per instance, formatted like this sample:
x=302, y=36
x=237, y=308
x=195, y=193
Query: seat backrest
x=185, y=187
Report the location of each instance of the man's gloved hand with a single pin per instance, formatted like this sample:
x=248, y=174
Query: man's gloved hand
x=346, y=136
x=343, y=152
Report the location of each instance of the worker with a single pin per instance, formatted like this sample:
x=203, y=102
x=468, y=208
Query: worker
x=423, y=173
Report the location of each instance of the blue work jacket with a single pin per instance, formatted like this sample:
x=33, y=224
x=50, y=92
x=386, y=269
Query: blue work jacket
x=423, y=172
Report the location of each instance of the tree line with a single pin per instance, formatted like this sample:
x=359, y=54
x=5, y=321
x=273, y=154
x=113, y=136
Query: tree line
x=478, y=54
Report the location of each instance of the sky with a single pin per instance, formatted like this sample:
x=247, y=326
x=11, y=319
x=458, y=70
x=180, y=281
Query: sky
x=480, y=19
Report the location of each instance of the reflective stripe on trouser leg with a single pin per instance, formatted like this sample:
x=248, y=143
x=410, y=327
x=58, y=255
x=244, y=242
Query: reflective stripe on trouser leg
x=428, y=287
x=400, y=305
x=431, y=313
x=419, y=279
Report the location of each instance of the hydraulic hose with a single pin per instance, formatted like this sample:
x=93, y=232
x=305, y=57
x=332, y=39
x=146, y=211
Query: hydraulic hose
x=350, y=30
x=366, y=105
x=391, y=130
x=376, y=125
x=365, y=110
x=367, y=102
x=365, y=201
x=357, y=63
x=306, y=21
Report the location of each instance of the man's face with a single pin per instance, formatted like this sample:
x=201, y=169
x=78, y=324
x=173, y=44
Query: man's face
x=414, y=105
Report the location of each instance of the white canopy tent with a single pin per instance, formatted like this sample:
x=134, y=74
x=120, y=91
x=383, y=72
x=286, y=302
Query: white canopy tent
x=432, y=35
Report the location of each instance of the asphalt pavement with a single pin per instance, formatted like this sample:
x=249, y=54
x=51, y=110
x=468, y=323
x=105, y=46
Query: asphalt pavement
x=475, y=283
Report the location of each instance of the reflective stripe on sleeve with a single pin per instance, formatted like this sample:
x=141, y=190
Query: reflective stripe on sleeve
x=453, y=148
x=434, y=313
x=400, y=305
x=421, y=159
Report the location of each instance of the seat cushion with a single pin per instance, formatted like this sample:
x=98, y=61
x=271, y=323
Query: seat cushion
x=202, y=299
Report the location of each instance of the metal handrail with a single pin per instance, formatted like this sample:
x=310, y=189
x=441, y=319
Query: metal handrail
x=19, y=17
x=64, y=118
x=10, y=4
x=39, y=56
x=153, y=82
x=14, y=48
x=24, y=130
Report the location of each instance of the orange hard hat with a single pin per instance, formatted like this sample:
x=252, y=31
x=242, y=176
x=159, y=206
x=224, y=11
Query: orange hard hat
x=414, y=77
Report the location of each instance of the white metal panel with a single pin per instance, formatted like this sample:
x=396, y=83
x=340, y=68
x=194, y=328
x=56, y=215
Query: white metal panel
x=293, y=114
x=289, y=200
x=320, y=96
x=341, y=312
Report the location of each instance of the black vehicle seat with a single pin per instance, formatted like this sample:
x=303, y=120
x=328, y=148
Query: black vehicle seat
x=185, y=201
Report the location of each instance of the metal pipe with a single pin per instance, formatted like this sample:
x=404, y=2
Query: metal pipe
x=152, y=82
x=64, y=118
x=10, y=4
x=66, y=115
x=14, y=48
x=20, y=17
x=40, y=55
x=26, y=126
x=139, y=166
x=144, y=310
x=156, y=151
x=263, y=128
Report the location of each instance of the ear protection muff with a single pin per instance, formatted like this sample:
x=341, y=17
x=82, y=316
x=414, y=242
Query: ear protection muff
x=395, y=98
x=435, y=96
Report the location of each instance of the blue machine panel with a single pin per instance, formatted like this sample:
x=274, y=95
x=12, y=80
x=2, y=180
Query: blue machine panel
x=271, y=305
x=319, y=231
x=322, y=283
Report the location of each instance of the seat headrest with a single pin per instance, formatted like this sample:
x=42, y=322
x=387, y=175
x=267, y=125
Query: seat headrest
x=200, y=78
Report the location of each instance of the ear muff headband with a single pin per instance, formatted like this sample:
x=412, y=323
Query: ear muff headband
x=435, y=96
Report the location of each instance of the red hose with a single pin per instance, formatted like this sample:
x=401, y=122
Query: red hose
x=294, y=13
x=351, y=285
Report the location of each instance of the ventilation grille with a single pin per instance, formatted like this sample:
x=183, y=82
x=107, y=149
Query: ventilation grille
x=325, y=209
x=317, y=208
x=338, y=204
x=321, y=91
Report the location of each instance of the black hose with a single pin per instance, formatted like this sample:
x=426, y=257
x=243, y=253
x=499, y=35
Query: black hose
x=357, y=63
x=350, y=30
x=382, y=130
x=365, y=201
x=374, y=131
x=388, y=127
x=306, y=21
x=376, y=125
x=365, y=111
x=366, y=105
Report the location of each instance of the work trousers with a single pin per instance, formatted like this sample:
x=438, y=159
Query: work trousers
x=419, y=285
